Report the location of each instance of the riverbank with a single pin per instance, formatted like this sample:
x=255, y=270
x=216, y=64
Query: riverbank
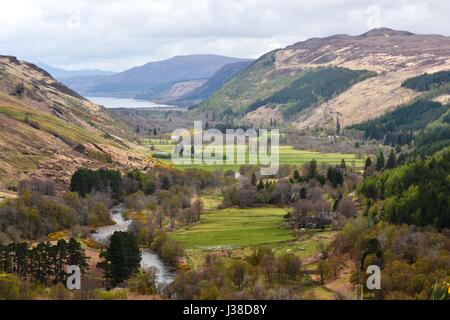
x=165, y=274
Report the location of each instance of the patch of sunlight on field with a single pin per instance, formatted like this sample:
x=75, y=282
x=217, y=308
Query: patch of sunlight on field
x=307, y=245
x=287, y=155
x=235, y=227
x=211, y=201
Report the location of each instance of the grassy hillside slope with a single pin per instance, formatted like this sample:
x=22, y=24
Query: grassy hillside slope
x=46, y=126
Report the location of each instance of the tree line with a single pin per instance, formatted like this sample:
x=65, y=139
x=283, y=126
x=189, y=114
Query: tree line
x=397, y=127
x=43, y=262
x=427, y=81
x=312, y=88
x=414, y=193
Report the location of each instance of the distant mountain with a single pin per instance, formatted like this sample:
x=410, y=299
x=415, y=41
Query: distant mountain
x=312, y=82
x=152, y=78
x=61, y=74
x=216, y=81
x=47, y=130
x=191, y=92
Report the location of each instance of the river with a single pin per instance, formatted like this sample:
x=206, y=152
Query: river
x=164, y=275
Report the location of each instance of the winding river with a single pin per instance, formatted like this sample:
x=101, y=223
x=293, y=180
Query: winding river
x=164, y=273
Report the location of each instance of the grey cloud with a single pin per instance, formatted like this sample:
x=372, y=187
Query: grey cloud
x=119, y=34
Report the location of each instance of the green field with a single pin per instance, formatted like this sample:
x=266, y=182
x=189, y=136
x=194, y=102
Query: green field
x=287, y=155
x=235, y=228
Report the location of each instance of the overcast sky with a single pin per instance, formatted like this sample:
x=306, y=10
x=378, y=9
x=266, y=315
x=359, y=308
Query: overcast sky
x=115, y=35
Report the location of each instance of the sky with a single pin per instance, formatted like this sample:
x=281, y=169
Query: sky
x=116, y=35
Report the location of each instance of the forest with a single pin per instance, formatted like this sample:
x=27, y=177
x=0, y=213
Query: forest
x=396, y=127
x=43, y=262
x=414, y=193
x=427, y=81
x=312, y=88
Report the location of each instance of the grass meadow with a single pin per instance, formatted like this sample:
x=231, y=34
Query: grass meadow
x=287, y=155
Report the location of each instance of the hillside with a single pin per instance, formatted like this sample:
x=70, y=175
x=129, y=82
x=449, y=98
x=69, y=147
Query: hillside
x=215, y=82
x=419, y=128
x=414, y=193
x=393, y=56
x=48, y=130
x=152, y=78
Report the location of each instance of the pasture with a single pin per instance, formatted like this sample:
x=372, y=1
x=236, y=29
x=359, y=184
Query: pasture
x=230, y=228
x=287, y=155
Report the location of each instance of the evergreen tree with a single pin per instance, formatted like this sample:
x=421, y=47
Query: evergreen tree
x=380, y=161
x=303, y=193
x=296, y=176
x=121, y=259
x=338, y=127
x=391, y=161
x=368, y=163
x=313, y=172
x=165, y=183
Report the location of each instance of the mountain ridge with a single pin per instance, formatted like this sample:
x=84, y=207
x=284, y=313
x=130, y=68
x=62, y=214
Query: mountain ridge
x=62, y=74
x=154, y=77
x=393, y=55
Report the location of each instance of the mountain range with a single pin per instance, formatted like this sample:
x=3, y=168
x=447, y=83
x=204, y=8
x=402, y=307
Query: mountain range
x=61, y=74
x=314, y=82
x=154, y=80
x=49, y=129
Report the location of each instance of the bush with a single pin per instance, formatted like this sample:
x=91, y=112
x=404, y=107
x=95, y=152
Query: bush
x=115, y=294
x=9, y=287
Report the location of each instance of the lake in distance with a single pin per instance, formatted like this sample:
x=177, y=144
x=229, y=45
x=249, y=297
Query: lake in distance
x=111, y=102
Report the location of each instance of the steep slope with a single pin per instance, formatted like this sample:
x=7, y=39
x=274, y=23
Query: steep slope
x=154, y=77
x=393, y=55
x=216, y=81
x=48, y=130
x=419, y=128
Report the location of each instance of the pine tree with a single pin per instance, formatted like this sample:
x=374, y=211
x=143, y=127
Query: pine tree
x=338, y=127
x=121, y=259
x=296, y=176
x=303, y=193
x=391, y=161
x=368, y=163
x=165, y=183
x=312, y=169
x=380, y=161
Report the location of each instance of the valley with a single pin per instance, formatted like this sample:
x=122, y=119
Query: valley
x=361, y=180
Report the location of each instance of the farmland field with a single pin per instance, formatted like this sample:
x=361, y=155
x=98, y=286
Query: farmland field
x=287, y=155
x=236, y=227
